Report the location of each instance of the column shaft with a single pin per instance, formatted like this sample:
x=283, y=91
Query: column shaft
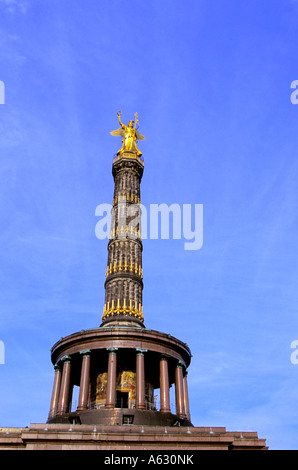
x=55, y=392
x=65, y=387
x=111, y=381
x=84, y=382
x=164, y=385
x=186, y=399
x=179, y=391
x=140, y=381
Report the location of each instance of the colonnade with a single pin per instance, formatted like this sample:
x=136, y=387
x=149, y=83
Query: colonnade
x=61, y=394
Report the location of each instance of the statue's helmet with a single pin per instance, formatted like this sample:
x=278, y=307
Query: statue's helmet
x=130, y=123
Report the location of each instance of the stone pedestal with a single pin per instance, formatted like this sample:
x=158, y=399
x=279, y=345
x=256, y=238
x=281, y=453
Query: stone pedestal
x=127, y=438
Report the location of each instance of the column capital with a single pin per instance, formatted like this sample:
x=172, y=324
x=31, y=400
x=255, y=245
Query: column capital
x=57, y=367
x=180, y=364
x=164, y=357
x=86, y=352
x=65, y=359
x=141, y=351
x=112, y=350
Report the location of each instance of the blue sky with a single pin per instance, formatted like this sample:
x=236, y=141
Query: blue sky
x=210, y=81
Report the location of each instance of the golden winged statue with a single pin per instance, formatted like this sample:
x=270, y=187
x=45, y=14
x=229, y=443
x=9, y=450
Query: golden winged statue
x=130, y=135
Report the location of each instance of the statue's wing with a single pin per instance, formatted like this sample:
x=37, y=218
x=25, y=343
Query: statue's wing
x=139, y=136
x=119, y=131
